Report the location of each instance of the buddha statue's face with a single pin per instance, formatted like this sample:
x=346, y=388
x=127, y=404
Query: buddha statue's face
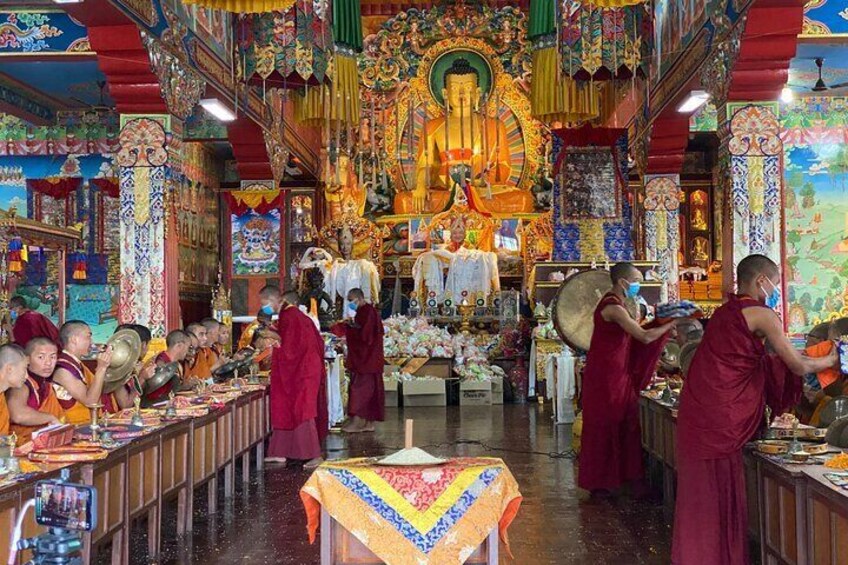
x=346, y=244
x=461, y=92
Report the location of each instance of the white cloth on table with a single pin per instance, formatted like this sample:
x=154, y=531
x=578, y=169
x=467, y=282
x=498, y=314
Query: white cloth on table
x=335, y=406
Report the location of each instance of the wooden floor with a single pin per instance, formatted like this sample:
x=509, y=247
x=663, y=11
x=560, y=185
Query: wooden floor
x=265, y=523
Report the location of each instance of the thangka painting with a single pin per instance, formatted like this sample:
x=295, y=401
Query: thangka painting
x=592, y=223
x=256, y=243
x=814, y=133
x=590, y=184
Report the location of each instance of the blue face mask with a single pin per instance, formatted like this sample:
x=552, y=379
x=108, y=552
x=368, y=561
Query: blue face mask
x=267, y=309
x=13, y=315
x=632, y=290
x=352, y=306
x=773, y=297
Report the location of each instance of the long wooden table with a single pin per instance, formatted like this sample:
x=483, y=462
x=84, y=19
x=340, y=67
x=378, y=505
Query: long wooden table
x=167, y=466
x=797, y=516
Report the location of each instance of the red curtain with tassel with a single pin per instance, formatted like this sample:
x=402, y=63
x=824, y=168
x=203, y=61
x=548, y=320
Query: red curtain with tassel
x=108, y=186
x=55, y=187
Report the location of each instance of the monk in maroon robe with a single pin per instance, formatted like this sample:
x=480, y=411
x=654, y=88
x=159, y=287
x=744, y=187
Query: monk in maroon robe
x=731, y=380
x=364, y=333
x=29, y=324
x=622, y=358
x=299, y=415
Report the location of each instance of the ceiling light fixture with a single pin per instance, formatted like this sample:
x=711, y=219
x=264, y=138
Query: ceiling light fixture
x=67, y=1
x=696, y=99
x=787, y=95
x=217, y=109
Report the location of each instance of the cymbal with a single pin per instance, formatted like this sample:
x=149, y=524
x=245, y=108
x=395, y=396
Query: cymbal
x=574, y=306
x=670, y=358
x=126, y=346
x=232, y=366
x=161, y=376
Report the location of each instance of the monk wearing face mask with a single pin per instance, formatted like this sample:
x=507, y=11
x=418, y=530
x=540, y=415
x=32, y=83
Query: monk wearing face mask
x=731, y=380
x=622, y=358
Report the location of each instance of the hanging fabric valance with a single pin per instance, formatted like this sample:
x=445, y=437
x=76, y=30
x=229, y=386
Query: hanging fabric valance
x=243, y=6
x=288, y=48
x=615, y=3
x=55, y=187
x=108, y=186
x=260, y=201
x=343, y=94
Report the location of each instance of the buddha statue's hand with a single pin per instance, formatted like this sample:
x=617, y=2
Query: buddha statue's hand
x=419, y=199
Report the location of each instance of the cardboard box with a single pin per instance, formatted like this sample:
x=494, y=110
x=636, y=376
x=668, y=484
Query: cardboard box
x=475, y=393
x=497, y=390
x=424, y=393
x=391, y=388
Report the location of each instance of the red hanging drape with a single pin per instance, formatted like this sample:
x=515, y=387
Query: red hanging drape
x=108, y=186
x=55, y=187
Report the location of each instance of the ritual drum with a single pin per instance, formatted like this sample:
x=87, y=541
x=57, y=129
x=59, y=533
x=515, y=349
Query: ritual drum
x=574, y=306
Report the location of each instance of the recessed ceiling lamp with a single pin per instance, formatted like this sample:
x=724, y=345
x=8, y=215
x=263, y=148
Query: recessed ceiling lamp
x=217, y=109
x=787, y=95
x=696, y=99
x=67, y=1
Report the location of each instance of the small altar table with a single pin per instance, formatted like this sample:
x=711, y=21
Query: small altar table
x=442, y=514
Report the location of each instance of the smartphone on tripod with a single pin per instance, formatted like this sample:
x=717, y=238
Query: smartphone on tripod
x=65, y=505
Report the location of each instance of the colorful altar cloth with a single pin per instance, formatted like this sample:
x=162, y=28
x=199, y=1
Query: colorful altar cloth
x=435, y=515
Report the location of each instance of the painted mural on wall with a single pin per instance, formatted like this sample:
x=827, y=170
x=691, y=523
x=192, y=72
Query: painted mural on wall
x=825, y=17
x=815, y=132
x=95, y=299
x=256, y=243
x=79, y=133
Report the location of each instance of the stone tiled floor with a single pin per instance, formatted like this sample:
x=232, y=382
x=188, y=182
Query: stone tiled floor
x=265, y=523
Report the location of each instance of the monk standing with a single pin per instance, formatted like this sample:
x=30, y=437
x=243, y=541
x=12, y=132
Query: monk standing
x=298, y=399
x=29, y=324
x=13, y=373
x=730, y=381
x=76, y=387
x=364, y=333
x=35, y=405
x=620, y=362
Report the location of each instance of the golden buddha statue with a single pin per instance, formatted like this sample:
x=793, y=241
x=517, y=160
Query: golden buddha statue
x=341, y=192
x=464, y=150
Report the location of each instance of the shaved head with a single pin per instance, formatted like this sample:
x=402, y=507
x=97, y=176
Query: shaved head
x=291, y=297
x=176, y=337
x=622, y=271
x=11, y=353
x=37, y=342
x=753, y=266
x=210, y=323
x=269, y=292
x=70, y=329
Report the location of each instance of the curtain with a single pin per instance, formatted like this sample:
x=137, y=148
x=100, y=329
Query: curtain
x=261, y=202
x=55, y=187
x=108, y=186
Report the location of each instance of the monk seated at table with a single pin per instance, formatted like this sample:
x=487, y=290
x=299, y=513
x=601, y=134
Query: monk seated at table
x=75, y=385
x=262, y=321
x=206, y=360
x=177, y=343
x=262, y=345
x=13, y=373
x=35, y=405
x=29, y=324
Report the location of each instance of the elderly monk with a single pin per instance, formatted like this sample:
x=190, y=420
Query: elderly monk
x=177, y=343
x=29, y=324
x=731, y=380
x=261, y=322
x=13, y=373
x=298, y=389
x=365, y=361
x=75, y=386
x=35, y=405
x=213, y=335
x=622, y=358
